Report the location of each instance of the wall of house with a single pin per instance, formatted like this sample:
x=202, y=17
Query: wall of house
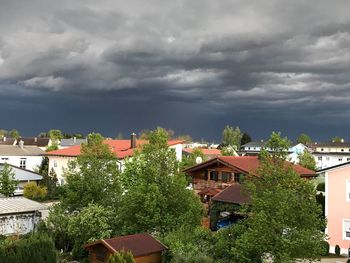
x=152, y=258
x=328, y=160
x=337, y=207
x=14, y=224
x=58, y=164
x=178, y=150
x=32, y=162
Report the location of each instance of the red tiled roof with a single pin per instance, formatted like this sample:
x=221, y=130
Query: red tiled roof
x=138, y=244
x=204, y=151
x=247, y=164
x=121, y=148
x=232, y=194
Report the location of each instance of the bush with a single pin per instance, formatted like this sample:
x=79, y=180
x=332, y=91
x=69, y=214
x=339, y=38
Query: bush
x=321, y=187
x=325, y=248
x=33, y=191
x=337, y=250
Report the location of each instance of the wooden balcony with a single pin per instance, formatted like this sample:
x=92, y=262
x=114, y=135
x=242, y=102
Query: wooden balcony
x=200, y=184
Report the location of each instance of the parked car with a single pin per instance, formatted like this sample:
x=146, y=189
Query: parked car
x=18, y=191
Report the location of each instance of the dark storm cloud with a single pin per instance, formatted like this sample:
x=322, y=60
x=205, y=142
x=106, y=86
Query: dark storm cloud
x=228, y=58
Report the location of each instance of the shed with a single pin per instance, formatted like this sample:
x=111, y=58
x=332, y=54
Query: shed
x=144, y=247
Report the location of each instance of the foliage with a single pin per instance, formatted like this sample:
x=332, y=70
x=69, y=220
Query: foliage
x=304, y=139
x=96, y=180
x=50, y=182
x=155, y=196
x=245, y=138
x=321, y=187
x=121, y=257
x=14, y=133
x=228, y=151
x=273, y=227
x=190, y=160
x=320, y=199
x=3, y=132
x=185, y=137
x=337, y=250
x=276, y=147
x=52, y=147
x=35, y=248
x=325, y=247
x=336, y=139
x=55, y=135
x=33, y=191
x=188, y=244
x=8, y=183
x=231, y=136
x=216, y=208
x=307, y=160
x=144, y=134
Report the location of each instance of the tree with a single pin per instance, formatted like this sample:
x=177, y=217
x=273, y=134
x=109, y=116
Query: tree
x=8, y=183
x=245, y=138
x=94, y=177
x=273, y=228
x=121, y=257
x=231, y=136
x=55, y=135
x=14, y=133
x=3, y=132
x=33, y=191
x=337, y=139
x=276, y=146
x=228, y=151
x=191, y=160
x=304, y=139
x=184, y=137
x=307, y=160
x=156, y=198
x=50, y=182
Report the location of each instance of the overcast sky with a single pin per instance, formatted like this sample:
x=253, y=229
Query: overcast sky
x=193, y=66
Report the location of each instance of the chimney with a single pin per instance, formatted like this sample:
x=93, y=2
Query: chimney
x=21, y=144
x=74, y=139
x=35, y=139
x=4, y=138
x=133, y=141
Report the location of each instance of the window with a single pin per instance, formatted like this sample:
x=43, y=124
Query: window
x=320, y=158
x=4, y=160
x=348, y=159
x=54, y=163
x=22, y=163
x=214, y=176
x=206, y=175
x=327, y=158
x=346, y=229
x=237, y=177
x=226, y=177
x=62, y=182
x=340, y=159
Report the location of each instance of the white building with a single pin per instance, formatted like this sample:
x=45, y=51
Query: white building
x=19, y=215
x=331, y=154
x=25, y=157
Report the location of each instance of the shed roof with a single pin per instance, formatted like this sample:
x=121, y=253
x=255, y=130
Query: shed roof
x=232, y=194
x=138, y=244
x=23, y=174
x=13, y=205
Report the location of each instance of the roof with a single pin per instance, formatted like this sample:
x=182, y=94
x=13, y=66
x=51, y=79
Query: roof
x=254, y=144
x=204, y=151
x=12, y=205
x=10, y=150
x=34, y=141
x=138, y=244
x=246, y=164
x=330, y=144
x=72, y=142
x=232, y=194
x=23, y=174
x=7, y=141
x=121, y=148
x=333, y=167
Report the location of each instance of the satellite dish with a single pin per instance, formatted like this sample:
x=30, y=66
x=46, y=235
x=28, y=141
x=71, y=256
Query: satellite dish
x=198, y=160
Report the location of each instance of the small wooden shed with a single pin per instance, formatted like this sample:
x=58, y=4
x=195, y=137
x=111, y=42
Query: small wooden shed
x=144, y=247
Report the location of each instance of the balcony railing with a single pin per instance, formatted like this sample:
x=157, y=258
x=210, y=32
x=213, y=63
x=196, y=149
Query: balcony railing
x=199, y=184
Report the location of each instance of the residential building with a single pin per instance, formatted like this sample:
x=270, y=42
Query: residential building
x=65, y=143
x=144, y=247
x=58, y=160
x=337, y=205
x=208, y=153
x=330, y=153
x=19, y=215
x=23, y=156
x=252, y=148
x=42, y=143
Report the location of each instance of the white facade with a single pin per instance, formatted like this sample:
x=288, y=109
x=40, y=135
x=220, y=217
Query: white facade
x=325, y=160
x=26, y=162
x=58, y=164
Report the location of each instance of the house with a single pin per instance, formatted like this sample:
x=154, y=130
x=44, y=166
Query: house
x=329, y=154
x=65, y=143
x=208, y=153
x=211, y=177
x=19, y=215
x=252, y=148
x=144, y=247
x=23, y=156
x=23, y=176
x=58, y=160
x=337, y=205
x=42, y=143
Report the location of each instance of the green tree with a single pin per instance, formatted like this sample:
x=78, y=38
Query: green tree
x=231, y=136
x=336, y=139
x=273, y=228
x=189, y=244
x=304, y=139
x=94, y=177
x=55, y=135
x=14, y=133
x=8, y=183
x=50, y=182
x=156, y=198
x=307, y=160
x=33, y=191
x=228, y=151
x=3, y=133
x=276, y=146
x=121, y=257
x=245, y=138
x=190, y=160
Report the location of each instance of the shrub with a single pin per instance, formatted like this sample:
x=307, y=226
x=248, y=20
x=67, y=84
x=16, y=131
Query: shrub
x=337, y=250
x=325, y=248
x=121, y=257
x=321, y=187
x=33, y=191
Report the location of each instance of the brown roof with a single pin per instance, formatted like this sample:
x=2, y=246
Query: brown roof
x=232, y=194
x=40, y=142
x=138, y=244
